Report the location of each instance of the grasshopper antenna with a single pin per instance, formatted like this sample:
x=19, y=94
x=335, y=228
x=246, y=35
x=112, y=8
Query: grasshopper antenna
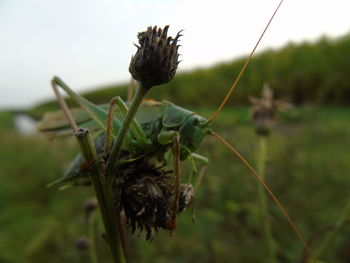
x=240, y=74
x=271, y=194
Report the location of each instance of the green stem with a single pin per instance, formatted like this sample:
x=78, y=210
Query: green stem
x=91, y=234
x=119, y=141
x=109, y=217
x=331, y=237
x=261, y=167
x=116, y=149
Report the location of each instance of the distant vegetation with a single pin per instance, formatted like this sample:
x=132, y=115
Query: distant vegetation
x=301, y=73
x=308, y=169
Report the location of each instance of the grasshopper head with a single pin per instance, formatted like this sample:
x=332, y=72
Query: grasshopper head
x=192, y=132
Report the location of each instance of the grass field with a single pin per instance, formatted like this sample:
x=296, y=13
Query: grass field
x=308, y=168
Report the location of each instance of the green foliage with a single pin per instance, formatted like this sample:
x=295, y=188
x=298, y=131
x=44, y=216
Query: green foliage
x=308, y=167
x=6, y=121
x=32, y=217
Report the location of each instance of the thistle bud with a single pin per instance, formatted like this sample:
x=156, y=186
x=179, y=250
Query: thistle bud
x=263, y=111
x=156, y=59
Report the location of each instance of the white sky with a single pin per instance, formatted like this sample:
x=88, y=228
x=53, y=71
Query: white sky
x=89, y=43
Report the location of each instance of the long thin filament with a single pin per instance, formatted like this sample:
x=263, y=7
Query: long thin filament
x=244, y=66
x=271, y=194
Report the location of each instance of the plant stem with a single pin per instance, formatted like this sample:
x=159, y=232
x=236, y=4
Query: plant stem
x=116, y=149
x=91, y=234
x=109, y=217
x=119, y=141
x=261, y=167
x=331, y=237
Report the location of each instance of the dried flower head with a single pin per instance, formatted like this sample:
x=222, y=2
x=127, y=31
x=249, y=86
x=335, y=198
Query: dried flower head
x=90, y=206
x=263, y=110
x=147, y=196
x=156, y=59
x=186, y=196
x=82, y=243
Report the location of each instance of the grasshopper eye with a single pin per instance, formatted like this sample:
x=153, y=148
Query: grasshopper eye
x=195, y=121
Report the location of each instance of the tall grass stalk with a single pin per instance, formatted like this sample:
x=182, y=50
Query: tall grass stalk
x=330, y=239
x=264, y=213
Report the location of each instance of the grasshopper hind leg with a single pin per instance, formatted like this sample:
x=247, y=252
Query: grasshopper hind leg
x=183, y=194
x=172, y=222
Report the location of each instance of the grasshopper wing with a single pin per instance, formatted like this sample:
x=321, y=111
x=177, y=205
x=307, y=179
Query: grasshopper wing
x=55, y=124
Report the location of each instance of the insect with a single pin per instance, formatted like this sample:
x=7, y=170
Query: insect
x=150, y=194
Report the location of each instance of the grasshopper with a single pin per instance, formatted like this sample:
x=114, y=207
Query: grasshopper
x=157, y=131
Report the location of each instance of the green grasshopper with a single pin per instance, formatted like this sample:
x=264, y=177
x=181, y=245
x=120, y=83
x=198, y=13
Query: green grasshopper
x=158, y=130
x=158, y=122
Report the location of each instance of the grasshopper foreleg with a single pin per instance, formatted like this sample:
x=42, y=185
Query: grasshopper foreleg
x=205, y=161
x=135, y=126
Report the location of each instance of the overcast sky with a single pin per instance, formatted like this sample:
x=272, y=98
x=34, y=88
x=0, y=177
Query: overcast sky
x=89, y=43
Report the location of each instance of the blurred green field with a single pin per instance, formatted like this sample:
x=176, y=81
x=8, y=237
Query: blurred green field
x=301, y=73
x=308, y=168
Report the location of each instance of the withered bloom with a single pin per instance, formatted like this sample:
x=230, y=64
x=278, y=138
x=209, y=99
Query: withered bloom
x=147, y=196
x=186, y=196
x=263, y=110
x=90, y=207
x=156, y=59
x=82, y=243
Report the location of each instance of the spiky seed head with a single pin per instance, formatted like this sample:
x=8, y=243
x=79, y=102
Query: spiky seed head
x=263, y=111
x=146, y=196
x=156, y=59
